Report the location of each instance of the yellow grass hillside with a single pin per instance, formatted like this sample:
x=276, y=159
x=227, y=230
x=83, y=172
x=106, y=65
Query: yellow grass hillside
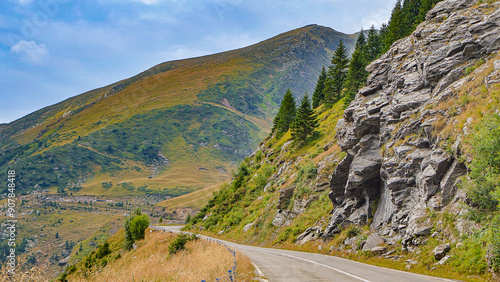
x=194, y=200
x=152, y=261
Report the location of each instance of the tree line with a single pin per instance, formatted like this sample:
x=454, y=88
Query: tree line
x=346, y=75
x=300, y=121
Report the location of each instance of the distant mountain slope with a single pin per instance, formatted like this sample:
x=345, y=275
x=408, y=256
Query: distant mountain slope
x=174, y=128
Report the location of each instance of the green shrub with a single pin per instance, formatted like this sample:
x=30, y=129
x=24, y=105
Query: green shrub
x=135, y=227
x=138, y=226
x=470, y=256
x=258, y=156
x=180, y=242
x=484, y=191
x=32, y=260
x=484, y=186
x=107, y=185
x=63, y=277
x=243, y=170
x=308, y=171
x=472, y=68
x=71, y=269
x=353, y=231
x=103, y=250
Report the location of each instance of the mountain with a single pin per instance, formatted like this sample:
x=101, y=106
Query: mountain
x=406, y=176
x=172, y=129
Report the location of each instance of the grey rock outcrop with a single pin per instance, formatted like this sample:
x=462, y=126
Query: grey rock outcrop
x=441, y=250
x=63, y=261
x=394, y=156
x=248, y=226
x=285, y=196
x=373, y=240
x=311, y=233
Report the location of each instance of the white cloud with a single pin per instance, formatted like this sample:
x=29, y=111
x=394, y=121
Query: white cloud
x=146, y=2
x=23, y=2
x=180, y=52
x=149, y=2
x=377, y=17
x=30, y=52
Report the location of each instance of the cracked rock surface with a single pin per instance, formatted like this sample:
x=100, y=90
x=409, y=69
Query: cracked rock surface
x=394, y=162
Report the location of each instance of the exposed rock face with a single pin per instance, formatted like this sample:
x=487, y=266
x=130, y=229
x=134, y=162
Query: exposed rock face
x=393, y=154
x=285, y=196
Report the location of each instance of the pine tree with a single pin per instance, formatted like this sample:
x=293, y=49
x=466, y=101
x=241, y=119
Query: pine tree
x=337, y=74
x=404, y=19
x=394, y=28
x=319, y=92
x=305, y=123
x=425, y=6
x=357, y=74
x=383, y=37
x=373, y=45
x=286, y=114
x=410, y=14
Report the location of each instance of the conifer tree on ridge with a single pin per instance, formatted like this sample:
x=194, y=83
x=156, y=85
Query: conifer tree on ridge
x=337, y=74
x=305, y=123
x=319, y=92
x=286, y=114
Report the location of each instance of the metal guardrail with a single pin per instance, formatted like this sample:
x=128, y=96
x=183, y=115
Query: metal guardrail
x=231, y=273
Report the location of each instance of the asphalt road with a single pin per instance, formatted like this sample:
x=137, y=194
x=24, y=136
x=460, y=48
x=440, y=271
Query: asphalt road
x=291, y=266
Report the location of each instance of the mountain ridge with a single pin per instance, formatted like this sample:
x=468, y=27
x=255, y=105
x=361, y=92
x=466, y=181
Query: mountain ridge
x=241, y=87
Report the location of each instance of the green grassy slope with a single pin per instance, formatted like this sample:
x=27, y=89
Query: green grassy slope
x=253, y=195
x=175, y=128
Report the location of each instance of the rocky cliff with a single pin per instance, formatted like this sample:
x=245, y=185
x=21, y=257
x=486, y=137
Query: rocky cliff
x=398, y=165
x=391, y=163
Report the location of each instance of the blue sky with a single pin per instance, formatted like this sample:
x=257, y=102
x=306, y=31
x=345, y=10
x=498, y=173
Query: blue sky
x=51, y=50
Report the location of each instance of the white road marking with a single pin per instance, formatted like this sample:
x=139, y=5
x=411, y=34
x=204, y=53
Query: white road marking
x=324, y=265
x=259, y=272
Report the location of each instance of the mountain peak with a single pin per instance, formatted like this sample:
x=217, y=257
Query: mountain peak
x=174, y=128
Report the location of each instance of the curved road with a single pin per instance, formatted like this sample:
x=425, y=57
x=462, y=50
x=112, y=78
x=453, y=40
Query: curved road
x=291, y=266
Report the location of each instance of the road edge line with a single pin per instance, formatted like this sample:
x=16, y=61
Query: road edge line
x=324, y=265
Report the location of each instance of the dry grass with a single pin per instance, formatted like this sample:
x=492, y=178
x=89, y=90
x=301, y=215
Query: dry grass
x=34, y=274
x=70, y=221
x=151, y=262
x=195, y=200
x=472, y=102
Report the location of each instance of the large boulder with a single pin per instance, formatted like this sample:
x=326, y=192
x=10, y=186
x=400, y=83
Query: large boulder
x=373, y=240
x=285, y=196
x=63, y=261
x=440, y=251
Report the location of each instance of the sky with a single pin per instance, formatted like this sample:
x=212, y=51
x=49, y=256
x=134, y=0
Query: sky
x=51, y=50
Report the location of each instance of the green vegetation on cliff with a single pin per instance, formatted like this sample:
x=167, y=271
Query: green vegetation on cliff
x=252, y=197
